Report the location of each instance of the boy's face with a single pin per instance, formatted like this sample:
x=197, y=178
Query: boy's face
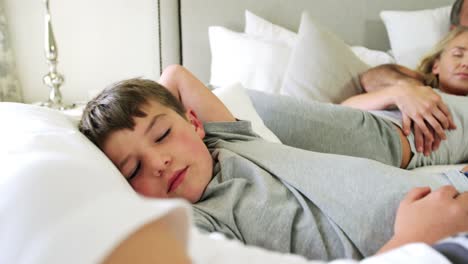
x=164, y=155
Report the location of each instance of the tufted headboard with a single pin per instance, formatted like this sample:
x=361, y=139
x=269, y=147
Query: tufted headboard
x=184, y=23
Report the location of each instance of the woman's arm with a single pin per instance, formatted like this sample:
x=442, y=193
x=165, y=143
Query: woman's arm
x=417, y=103
x=377, y=100
x=386, y=75
x=194, y=95
x=384, y=80
x=392, y=85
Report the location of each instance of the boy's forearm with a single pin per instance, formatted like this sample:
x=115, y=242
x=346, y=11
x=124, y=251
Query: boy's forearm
x=165, y=247
x=394, y=243
x=387, y=75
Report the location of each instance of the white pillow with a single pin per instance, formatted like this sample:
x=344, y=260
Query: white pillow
x=413, y=33
x=257, y=63
x=372, y=57
x=238, y=102
x=328, y=72
x=59, y=194
x=260, y=27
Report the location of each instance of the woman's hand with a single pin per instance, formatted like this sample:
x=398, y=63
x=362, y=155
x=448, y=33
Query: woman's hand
x=421, y=107
x=424, y=110
x=425, y=216
x=427, y=145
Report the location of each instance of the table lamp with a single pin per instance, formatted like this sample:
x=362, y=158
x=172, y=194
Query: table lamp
x=52, y=79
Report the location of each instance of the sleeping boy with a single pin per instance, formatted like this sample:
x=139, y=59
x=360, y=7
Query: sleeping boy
x=182, y=142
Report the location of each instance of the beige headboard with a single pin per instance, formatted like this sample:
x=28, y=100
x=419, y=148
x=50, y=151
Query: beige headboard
x=184, y=23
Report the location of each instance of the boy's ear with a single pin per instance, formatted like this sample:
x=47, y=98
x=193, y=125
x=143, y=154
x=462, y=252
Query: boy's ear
x=435, y=67
x=196, y=123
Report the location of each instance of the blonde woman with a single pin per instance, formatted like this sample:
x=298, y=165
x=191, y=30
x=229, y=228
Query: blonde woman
x=422, y=107
x=435, y=68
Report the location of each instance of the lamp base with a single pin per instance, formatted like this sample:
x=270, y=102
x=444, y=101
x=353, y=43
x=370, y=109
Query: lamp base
x=57, y=106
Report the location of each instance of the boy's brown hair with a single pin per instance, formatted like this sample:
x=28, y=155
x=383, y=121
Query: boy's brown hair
x=117, y=105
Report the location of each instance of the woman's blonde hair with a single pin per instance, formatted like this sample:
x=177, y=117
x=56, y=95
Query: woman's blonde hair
x=426, y=65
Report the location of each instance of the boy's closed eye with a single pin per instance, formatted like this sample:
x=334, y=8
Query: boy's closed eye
x=135, y=172
x=161, y=138
x=137, y=169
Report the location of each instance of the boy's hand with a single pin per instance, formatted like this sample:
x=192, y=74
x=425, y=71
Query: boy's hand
x=427, y=216
x=465, y=169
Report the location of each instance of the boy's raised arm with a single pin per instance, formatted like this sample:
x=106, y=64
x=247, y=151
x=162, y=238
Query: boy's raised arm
x=194, y=95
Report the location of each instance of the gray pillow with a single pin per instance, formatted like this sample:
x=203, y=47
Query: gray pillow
x=322, y=67
x=10, y=89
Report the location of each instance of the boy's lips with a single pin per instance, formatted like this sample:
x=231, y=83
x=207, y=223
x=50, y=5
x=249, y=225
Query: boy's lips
x=176, y=179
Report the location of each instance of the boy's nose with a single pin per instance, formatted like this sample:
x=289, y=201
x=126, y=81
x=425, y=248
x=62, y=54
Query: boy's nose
x=160, y=166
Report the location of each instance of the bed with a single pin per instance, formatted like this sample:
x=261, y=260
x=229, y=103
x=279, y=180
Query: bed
x=45, y=143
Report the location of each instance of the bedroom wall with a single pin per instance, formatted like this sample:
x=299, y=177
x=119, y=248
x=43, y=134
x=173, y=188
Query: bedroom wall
x=357, y=22
x=99, y=42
